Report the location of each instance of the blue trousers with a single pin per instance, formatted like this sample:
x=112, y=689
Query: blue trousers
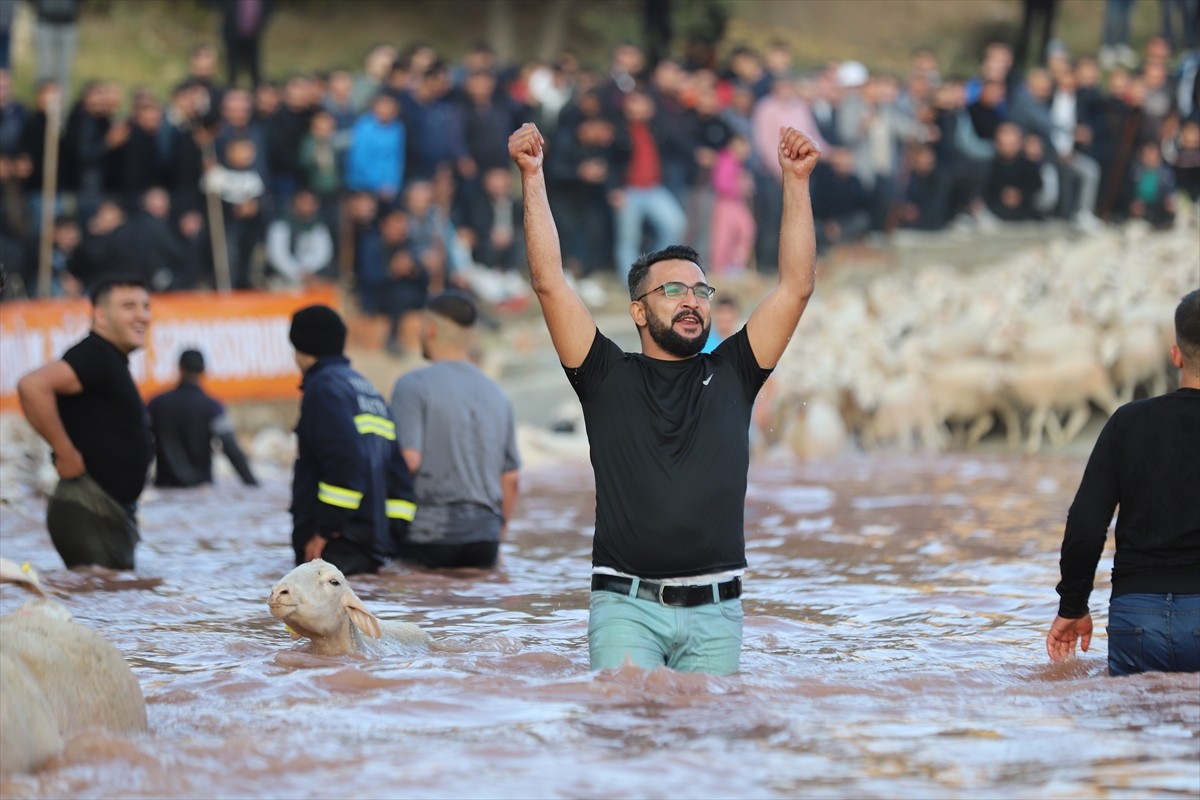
x=1153, y=633
x=699, y=639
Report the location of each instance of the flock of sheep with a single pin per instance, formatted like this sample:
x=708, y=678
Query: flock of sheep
x=941, y=357
x=58, y=678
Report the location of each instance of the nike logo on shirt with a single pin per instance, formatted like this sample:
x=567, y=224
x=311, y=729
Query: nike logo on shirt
x=706, y=380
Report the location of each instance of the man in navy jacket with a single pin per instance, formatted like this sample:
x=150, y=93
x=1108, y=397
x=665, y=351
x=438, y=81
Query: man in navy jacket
x=352, y=494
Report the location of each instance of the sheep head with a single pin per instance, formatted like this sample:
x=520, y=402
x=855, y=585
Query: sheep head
x=314, y=600
x=25, y=576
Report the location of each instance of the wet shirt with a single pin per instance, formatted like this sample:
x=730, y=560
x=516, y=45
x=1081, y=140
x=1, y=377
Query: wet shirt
x=670, y=448
x=107, y=421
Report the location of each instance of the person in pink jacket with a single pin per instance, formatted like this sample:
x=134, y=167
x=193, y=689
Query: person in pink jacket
x=733, y=226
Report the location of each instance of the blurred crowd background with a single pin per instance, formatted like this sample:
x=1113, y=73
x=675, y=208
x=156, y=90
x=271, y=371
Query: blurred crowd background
x=391, y=176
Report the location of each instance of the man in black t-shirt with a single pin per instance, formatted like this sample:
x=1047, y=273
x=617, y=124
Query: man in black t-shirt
x=669, y=428
x=1146, y=461
x=87, y=407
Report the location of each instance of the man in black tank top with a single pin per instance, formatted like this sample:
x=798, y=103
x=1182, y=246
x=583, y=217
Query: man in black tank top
x=669, y=428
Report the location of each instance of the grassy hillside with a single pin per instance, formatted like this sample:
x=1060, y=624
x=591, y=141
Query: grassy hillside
x=146, y=41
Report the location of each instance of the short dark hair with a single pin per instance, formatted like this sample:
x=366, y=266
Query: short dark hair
x=676, y=252
x=456, y=306
x=1187, y=327
x=191, y=361
x=103, y=286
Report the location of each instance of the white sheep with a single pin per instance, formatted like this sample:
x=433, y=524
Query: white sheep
x=971, y=391
x=1135, y=357
x=315, y=601
x=57, y=678
x=904, y=416
x=1068, y=383
x=814, y=429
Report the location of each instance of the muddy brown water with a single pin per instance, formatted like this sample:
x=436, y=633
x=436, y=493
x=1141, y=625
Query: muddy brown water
x=895, y=613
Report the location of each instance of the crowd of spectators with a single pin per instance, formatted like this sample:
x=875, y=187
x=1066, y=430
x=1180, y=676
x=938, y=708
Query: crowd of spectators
x=394, y=179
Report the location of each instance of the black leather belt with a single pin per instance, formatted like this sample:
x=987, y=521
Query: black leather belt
x=666, y=594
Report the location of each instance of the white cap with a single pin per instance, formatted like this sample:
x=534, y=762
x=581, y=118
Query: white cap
x=851, y=73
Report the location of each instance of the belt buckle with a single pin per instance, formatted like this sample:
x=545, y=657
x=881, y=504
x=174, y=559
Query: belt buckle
x=662, y=587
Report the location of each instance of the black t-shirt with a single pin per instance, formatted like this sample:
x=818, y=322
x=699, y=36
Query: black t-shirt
x=670, y=449
x=107, y=421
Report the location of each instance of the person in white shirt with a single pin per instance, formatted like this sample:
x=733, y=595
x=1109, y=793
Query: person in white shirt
x=300, y=246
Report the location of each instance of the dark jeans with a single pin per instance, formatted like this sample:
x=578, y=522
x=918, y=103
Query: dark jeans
x=448, y=556
x=1154, y=633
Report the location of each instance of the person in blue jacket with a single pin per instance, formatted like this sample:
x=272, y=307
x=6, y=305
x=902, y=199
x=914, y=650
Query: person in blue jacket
x=352, y=492
x=375, y=160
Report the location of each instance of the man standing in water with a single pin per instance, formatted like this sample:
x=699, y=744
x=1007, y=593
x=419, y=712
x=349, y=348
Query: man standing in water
x=1145, y=461
x=185, y=421
x=87, y=407
x=668, y=428
x=352, y=496
x=458, y=434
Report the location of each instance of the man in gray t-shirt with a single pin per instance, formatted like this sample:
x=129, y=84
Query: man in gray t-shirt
x=457, y=431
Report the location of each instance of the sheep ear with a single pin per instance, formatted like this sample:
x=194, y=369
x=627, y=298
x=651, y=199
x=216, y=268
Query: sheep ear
x=364, y=620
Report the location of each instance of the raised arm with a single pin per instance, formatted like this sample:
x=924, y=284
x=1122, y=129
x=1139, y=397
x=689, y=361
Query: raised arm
x=38, y=392
x=771, y=325
x=572, y=329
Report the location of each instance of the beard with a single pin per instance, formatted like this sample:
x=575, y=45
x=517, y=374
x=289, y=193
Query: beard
x=666, y=337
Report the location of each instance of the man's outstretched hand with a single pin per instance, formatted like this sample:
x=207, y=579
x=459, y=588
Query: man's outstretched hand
x=527, y=148
x=798, y=154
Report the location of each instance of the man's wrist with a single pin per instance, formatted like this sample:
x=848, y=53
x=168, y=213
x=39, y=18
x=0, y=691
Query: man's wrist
x=1067, y=611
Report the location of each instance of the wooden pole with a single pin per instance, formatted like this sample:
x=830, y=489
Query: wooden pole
x=216, y=230
x=49, y=191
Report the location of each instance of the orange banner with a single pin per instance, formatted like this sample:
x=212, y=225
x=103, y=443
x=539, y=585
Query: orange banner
x=243, y=336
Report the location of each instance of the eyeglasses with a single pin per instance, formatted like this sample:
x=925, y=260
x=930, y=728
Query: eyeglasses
x=676, y=289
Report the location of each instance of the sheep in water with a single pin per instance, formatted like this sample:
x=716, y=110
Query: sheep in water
x=57, y=678
x=316, y=602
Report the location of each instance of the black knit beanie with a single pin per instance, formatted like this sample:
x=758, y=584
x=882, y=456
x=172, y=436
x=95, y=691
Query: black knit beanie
x=318, y=331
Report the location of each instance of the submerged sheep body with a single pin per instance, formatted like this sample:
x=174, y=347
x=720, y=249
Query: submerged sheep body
x=57, y=678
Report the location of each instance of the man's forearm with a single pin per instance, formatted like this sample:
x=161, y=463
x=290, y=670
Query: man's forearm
x=541, y=235
x=1082, y=547
x=797, y=238
x=40, y=405
x=510, y=488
